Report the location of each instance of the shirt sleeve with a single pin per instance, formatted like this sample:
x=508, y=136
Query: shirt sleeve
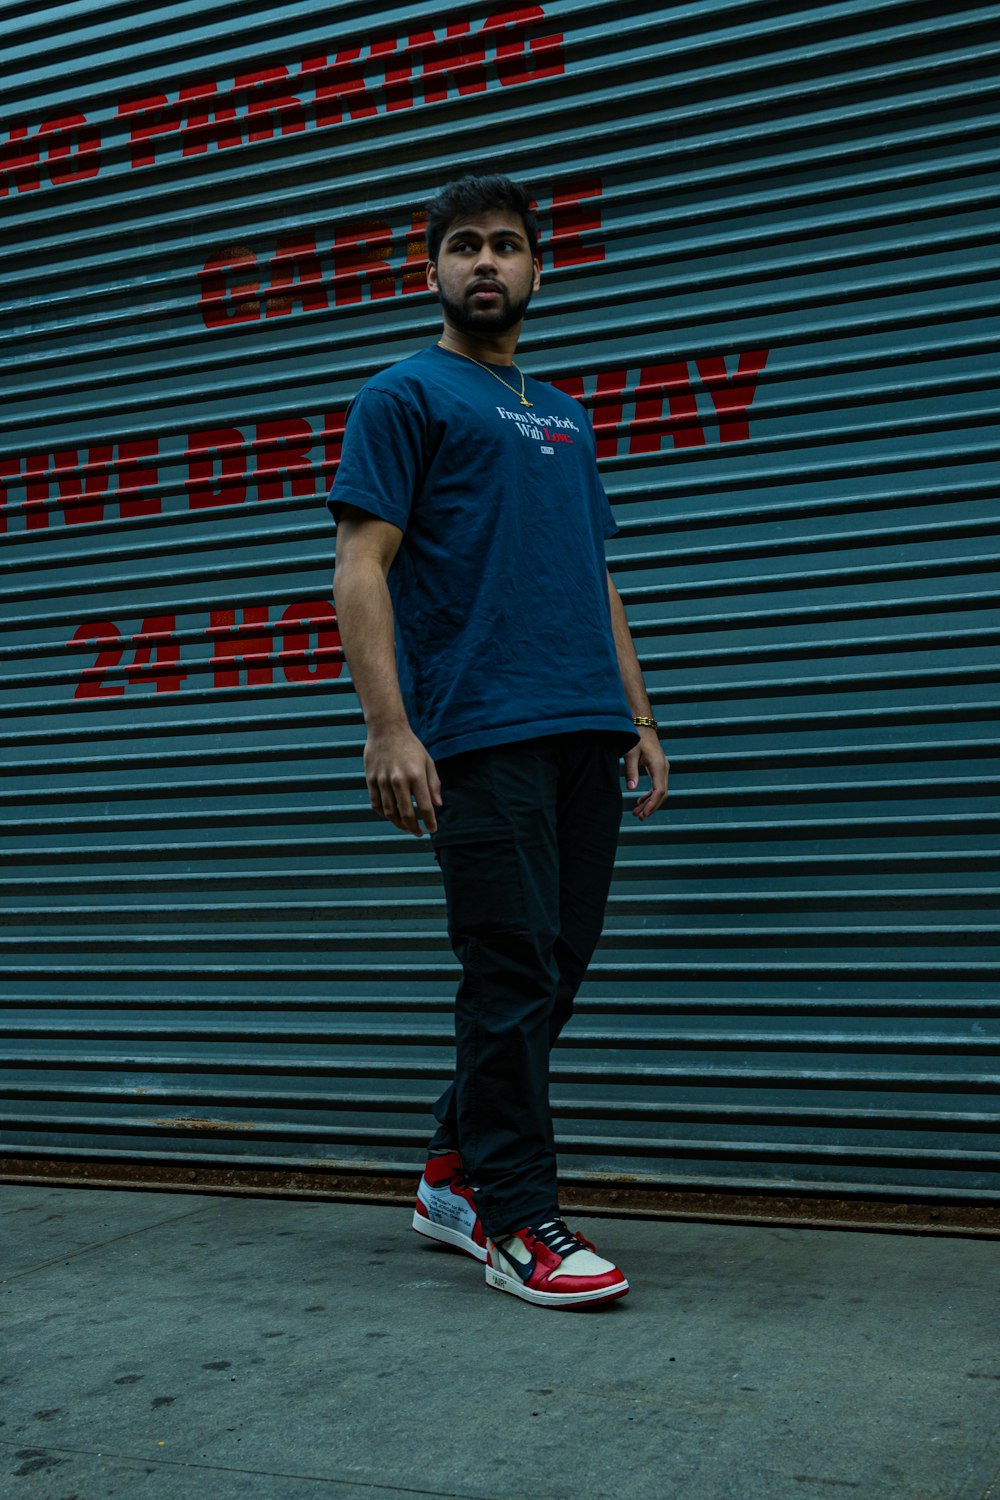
x=609, y=525
x=381, y=465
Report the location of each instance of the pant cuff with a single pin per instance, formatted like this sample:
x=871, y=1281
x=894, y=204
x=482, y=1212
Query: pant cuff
x=510, y=1223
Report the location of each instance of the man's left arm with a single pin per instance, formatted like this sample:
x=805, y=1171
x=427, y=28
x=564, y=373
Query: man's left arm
x=649, y=752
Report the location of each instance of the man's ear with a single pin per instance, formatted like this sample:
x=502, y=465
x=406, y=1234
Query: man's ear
x=538, y=274
x=432, y=275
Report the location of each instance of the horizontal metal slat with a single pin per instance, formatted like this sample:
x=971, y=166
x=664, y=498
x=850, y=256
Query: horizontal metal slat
x=266, y=879
x=260, y=815
x=968, y=1044
x=931, y=901
x=903, y=1190
x=876, y=827
x=741, y=793
x=419, y=940
x=959, y=1159
x=744, y=724
x=803, y=507
x=811, y=1005
x=980, y=672
x=267, y=757
x=668, y=970
x=717, y=1074
x=832, y=1117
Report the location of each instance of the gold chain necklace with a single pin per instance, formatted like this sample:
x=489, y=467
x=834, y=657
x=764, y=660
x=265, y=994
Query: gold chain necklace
x=523, y=398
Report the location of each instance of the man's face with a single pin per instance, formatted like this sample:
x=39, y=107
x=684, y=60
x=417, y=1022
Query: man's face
x=485, y=273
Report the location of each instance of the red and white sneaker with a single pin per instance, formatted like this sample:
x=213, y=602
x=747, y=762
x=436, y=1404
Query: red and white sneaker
x=545, y=1263
x=445, y=1209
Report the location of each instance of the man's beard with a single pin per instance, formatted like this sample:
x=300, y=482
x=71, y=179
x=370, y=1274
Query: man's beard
x=488, y=320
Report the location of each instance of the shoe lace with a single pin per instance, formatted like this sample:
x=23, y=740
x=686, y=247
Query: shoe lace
x=555, y=1234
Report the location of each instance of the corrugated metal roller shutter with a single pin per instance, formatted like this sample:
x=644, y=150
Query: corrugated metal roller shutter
x=770, y=269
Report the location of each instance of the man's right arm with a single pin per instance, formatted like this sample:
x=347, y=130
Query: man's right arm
x=398, y=769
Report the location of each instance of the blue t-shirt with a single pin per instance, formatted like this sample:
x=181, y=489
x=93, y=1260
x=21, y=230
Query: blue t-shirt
x=503, y=625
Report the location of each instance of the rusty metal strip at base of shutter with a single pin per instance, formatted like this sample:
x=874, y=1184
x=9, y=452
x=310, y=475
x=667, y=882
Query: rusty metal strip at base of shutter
x=892, y=1214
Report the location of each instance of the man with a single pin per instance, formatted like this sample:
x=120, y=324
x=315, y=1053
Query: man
x=500, y=688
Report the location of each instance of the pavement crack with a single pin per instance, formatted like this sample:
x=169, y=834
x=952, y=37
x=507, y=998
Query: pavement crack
x=368, y=1486
x=68, y=1255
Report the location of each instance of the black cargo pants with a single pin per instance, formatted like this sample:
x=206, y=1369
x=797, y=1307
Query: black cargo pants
x=526, y=844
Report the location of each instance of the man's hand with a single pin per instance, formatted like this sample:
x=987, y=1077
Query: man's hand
x=648, y=753
x=399, y=772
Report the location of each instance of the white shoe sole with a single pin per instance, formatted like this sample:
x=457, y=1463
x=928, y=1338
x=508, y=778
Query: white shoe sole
x=552, y=1299
x=446, y=1236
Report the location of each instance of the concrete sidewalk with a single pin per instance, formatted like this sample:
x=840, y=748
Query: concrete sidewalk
x=208, y=1347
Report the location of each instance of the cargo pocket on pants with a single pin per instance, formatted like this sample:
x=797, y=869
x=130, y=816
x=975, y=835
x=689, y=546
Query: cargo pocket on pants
x=483, y=885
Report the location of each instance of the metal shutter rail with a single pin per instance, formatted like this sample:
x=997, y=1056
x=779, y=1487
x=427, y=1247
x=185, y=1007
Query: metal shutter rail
x=770, y=274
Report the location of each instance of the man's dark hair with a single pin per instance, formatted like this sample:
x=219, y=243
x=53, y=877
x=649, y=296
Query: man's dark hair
x=471, y=195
